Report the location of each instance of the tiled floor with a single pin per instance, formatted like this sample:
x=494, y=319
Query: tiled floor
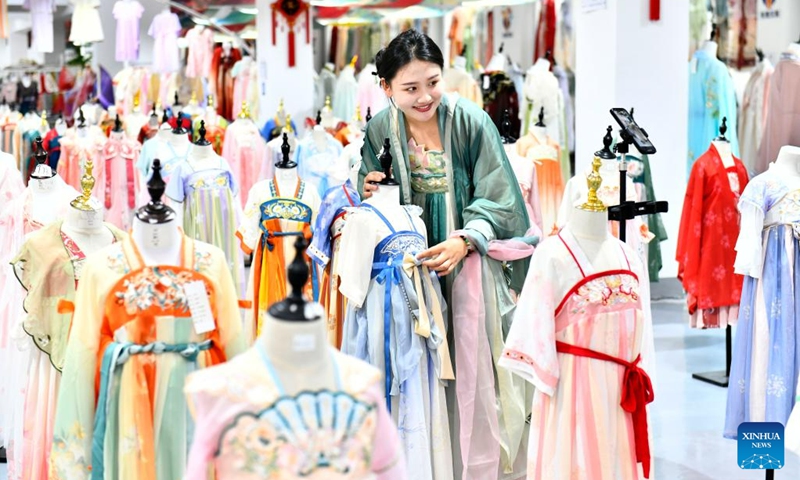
x=688, y=415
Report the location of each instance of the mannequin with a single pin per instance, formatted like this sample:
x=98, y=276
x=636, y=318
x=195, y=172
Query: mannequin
x=155, y=231
x=286, y=176
x=320, y=137
x=788, y=160
x=44, y=188
x=201, y=154
x=794, y=49
x=83, y=222
x=294, y=336
x=723, y=146
x=328, y=119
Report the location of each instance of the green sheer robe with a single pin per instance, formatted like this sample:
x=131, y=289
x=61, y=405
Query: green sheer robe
x=484, y=197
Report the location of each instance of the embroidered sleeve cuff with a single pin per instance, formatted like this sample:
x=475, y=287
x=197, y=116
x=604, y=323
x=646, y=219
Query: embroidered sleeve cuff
x=318, y=256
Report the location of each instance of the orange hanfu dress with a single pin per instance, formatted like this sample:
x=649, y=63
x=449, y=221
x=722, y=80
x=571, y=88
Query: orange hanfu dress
x=545, y=156
x=136, y=335
x=270, y=228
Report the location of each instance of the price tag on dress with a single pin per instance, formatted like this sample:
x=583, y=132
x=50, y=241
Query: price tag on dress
x=200, y=307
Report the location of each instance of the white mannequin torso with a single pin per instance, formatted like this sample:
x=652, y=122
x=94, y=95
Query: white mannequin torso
x=385, y=197
x=299, y=352
x=540, y=133
x=320, y=137
x=591, y=232
x=286, y=178
x=710, y=47
x=86, y=228
x=45, y=195
x=794, y=49
x=164, y=132
x=788, y=160
x=724, y=150
x=158, y=244
x=180, y=142
x=203, y=157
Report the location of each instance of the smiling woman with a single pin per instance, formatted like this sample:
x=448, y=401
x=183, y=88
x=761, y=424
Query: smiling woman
x=448, y=156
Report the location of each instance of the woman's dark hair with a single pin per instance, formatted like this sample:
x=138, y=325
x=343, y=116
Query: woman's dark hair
x=403, y=49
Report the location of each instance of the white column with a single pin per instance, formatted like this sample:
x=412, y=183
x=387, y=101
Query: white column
x=277, y=80
x=625, y=60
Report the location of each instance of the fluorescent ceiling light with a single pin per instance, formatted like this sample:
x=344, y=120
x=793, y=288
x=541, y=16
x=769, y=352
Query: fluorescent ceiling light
x=201, y=21
x=345, y=20
x=413, y=12
x=248, y=10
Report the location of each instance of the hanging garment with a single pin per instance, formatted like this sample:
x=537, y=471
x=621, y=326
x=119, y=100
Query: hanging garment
x=16, y=223
x=165, y=29
x=221, y=84
x=324, y=250
x=120, y=181
x=140, y=427
x=268, y=230
x=201, y=50
x=77, y=149
x=546, y=30
x=542, y=89
x=41, y=24
x=766, y=361
x=241, y=84
x=525, y=172
x=459, y=81
x=245, y=151
x=706, y=240
x=545, y=156
x=492, y=403
x=499, y=94
x=345, y=94
x=456, y=33
x=315, y=164
x=128, y=83
x=341, y=435
x=27, y=97
x=210, y=211
x=86, y=25
x=564, y=76
x=392, y=300
x=639, y=171
x=737, y=42
x=579, y=336
x=752, y=114
x=370, y=93
x=782, y=123
x=327, y=79
x=48, y=267
x=128, y=15
x=711, y=98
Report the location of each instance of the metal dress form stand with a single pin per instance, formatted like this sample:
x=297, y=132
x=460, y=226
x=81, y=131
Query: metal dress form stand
x=720, y=377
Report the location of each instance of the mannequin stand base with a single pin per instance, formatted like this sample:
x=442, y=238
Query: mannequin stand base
x=719, y=379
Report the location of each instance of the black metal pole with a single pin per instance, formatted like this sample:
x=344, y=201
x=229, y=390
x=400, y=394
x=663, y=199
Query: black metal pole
x=770, y=474
x=728, y=350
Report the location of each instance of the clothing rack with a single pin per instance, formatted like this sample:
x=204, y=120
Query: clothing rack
x=211, y=24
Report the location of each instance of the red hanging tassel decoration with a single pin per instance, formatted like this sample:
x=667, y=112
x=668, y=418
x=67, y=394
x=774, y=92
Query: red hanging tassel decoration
x=655, y=10
x=291, y=46
x=308, y=25
x=274, y=26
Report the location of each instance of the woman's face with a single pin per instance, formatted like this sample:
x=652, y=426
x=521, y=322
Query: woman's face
x=417, y=90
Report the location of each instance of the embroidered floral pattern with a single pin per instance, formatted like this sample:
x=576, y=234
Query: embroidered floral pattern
x=519, y=356
x=401, y=243
x=155, y=286
x=607, y=291
x=202, y=258
x=428, y=169
x=67, y=458
x=302, y=434
x=116, y=262
x=776, y=387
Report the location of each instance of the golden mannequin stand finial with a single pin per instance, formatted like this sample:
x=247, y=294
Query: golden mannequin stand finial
x=87, y=184
x=211, y=100
x=594, y=180
x=357, y=116
x=44, y=119
x=288, y=127
x=193, y=99
x=136, y=101
x=353, y=61
x=327, y=107
x=245, y=113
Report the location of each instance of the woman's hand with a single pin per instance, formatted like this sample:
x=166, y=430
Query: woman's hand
x=445, y=256
x=369, y=186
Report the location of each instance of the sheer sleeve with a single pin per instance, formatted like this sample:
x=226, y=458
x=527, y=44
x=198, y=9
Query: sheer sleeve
x=530, y=348
x=249, y=231
x=748, y=245
x=359, y=237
